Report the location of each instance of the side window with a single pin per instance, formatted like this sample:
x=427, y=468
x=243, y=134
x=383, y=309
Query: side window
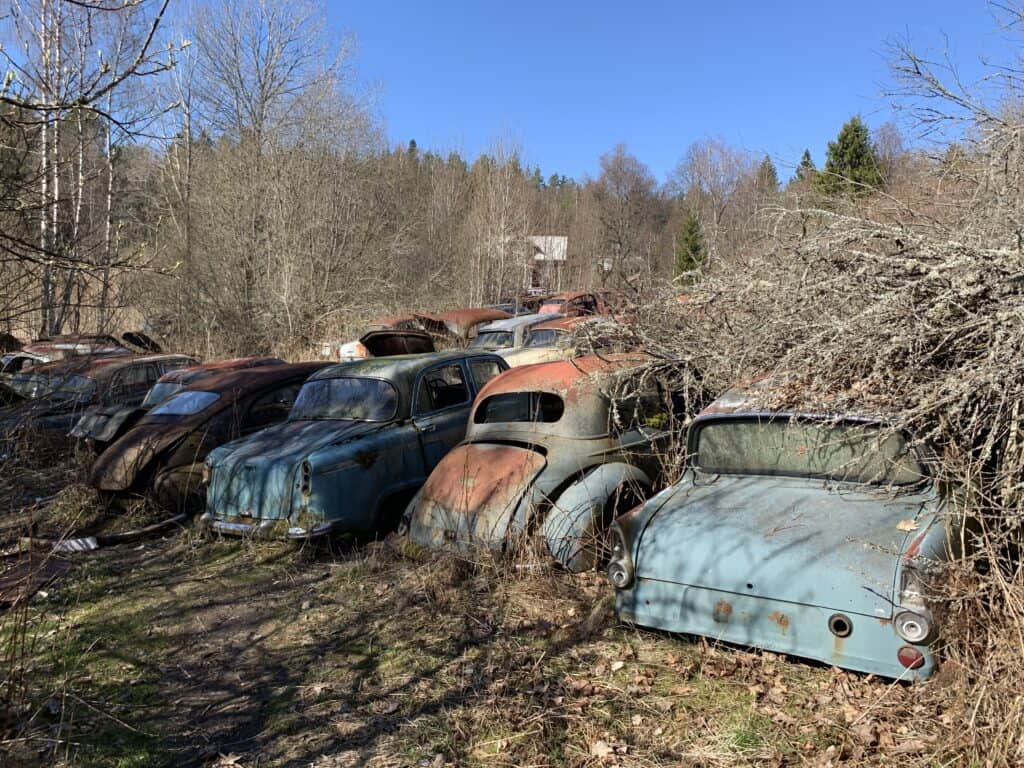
x=173, y=365
x=588, y=305
x=483, y=371
x=138, y=376
x=441, y=388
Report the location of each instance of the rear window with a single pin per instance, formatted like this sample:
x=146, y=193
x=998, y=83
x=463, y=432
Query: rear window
x=542, y=407
x=848, y=452
x=548, y=337
x=186, y=403
x=493, y=340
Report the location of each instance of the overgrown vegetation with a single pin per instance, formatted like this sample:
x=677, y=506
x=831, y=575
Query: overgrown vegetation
x=891, y=281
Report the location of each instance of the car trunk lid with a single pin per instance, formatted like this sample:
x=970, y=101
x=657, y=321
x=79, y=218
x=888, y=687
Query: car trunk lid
x=786, y=539
x=471, y=496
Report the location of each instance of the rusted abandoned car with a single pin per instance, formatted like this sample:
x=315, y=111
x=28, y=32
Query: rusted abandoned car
x=162, y=455
x=575, y=304
x=102, y=424
x=51, y=397
x=556, y=340
x=381, y=342
x=361, y=439
x=544, y=454
x=802, y=534
x=503, y=336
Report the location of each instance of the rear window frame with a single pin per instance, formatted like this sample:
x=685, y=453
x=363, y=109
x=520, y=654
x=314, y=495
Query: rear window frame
x=480, y=409
x=693, y=439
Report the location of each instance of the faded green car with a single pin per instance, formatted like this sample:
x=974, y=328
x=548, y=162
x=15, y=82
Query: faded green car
x=805, y=534
x=360, y=440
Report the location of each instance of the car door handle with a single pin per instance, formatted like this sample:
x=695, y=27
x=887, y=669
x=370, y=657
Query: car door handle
x=428, y=428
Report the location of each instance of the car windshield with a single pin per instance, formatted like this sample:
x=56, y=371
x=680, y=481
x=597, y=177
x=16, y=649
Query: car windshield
x=60, y=386
x=186, y=403
x=544, y=407
x=346, y=398
x=548, y=337
x=848, y=452
x=494, y=340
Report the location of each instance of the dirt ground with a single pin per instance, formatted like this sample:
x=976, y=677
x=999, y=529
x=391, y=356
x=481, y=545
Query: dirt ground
x=184, y=652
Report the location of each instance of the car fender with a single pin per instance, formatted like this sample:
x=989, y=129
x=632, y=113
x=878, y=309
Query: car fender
x=578, y=515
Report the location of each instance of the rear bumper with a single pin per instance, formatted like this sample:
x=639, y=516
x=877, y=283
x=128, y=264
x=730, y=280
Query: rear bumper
x=262, y=529
x=783, y=627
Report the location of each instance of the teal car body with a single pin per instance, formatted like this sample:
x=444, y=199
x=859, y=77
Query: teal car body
x=360, y=440
x=808, y=535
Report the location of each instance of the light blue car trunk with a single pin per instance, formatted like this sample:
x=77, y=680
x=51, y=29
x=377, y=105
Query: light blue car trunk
x=258, y=478
x=784, y=539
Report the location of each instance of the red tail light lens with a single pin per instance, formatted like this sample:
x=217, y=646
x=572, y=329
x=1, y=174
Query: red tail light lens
x=909, y=657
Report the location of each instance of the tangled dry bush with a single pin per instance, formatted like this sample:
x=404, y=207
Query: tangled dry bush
x=858, y=315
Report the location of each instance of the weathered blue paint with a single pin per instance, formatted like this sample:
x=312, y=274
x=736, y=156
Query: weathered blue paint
x=314, y=477
x=766, y=561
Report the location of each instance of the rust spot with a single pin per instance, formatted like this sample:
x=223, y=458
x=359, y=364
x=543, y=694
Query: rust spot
x=781, y=619
x=837, y=647
x=723, y=610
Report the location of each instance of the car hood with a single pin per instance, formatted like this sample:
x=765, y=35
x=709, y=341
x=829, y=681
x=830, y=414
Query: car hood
x=117, y=468
x=258, y=476
x=103, y=424
x=786, y=539
x=472, y=495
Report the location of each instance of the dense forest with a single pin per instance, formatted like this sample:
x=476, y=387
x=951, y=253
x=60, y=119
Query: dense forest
x=218, y=176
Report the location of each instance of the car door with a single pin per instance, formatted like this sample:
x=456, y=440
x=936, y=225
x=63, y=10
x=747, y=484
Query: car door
x=440, y=410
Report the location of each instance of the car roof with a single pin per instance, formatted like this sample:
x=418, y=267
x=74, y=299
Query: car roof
x=567, y=296
x=765, y=396
x=215, y=366
x=395, y=366
x=511, y=323
x=560, y=375
x=569, y=323
x=238, y=381
x=98, y=365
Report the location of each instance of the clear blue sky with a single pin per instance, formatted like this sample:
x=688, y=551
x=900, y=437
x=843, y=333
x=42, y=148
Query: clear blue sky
x=567, y=80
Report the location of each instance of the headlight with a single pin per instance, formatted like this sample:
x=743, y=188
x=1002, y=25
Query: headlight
x=620, y=565
x=913, y=627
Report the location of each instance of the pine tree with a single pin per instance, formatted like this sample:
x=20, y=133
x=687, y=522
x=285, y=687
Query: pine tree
x=851, y=167
x=767, y=180
x=806, y=169
x=689, y=245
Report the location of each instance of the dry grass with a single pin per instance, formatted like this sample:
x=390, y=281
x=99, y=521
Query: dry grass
x=231, y=654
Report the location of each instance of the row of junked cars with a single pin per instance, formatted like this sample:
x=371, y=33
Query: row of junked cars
x=808, y=534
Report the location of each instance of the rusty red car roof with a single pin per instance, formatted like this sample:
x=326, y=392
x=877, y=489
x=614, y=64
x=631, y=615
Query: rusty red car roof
x=216, y=366
x=569, y=323
x=560, y=375
x=243, y=379
x=568, y=296
x=83, y=365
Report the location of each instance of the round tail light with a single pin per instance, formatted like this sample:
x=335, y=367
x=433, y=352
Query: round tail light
x=910, y=657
